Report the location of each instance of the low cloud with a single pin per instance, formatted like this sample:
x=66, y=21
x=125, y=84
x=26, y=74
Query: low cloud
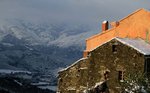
x=78, y=11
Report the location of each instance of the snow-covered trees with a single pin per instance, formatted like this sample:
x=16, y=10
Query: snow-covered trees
x=136, y=83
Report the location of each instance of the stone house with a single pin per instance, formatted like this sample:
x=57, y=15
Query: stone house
x=110, y=56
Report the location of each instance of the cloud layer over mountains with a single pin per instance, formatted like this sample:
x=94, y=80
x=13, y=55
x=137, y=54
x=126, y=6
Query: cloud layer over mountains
x=75, y=11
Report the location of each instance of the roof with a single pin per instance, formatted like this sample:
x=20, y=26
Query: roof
x=138, y=44
x=142, y=9
x=64, y=69
x=135, y=25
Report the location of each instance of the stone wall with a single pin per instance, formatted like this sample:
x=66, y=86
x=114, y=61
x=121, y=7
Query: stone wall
x=88, y=72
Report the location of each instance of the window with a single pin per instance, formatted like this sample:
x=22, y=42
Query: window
x=91, y=62
x=114, y=48
x=78, y=74
x=60, y=80
x=120, y=76
x=147, y=66
x=106, y=75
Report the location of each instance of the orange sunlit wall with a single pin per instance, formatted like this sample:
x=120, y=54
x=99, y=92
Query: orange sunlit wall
x=136, y=25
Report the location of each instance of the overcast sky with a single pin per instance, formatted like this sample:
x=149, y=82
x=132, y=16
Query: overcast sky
x=75, y=11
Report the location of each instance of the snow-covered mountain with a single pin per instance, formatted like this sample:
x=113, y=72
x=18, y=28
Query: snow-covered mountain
x=43, y=47
x=45, y=33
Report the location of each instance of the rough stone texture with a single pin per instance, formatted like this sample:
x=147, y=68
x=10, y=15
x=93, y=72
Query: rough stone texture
x=86, y=74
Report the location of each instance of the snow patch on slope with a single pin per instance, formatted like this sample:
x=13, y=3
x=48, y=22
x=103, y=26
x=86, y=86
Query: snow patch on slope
x=73, y=40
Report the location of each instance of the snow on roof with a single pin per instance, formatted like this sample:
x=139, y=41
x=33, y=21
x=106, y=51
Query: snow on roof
x=72, y=64
x=96, y=85
x=140, y=45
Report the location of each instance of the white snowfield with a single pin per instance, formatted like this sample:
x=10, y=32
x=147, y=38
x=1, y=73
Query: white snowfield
x=7, y=71
x=40, y=83
x=54, y=88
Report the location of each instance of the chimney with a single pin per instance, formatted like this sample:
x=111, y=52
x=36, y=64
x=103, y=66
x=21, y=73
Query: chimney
x=105, y=26
x=85, y=54
x=114, y=24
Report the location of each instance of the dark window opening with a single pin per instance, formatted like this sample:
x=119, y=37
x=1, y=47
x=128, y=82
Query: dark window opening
x=78, y=74
x=147, y=66
x=120, y=75
x=114, y=48
x=61, y=80
x=106, y=75
x=140, y=54
x=91, y=62
x=78, y=70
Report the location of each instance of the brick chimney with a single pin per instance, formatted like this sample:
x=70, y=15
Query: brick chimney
x=105, y=26
x=114, y=24
x=85, y=53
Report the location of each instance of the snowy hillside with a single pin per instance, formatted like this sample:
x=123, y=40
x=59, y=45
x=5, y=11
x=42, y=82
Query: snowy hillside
x=41, y=48
x=44, y=33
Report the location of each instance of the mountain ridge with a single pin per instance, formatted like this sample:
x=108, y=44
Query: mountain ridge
x=42, y=47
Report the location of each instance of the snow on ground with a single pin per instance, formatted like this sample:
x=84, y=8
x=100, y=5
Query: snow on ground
x=40, y=83
x=7, y=71
x=54, y=88
x=18, y=82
